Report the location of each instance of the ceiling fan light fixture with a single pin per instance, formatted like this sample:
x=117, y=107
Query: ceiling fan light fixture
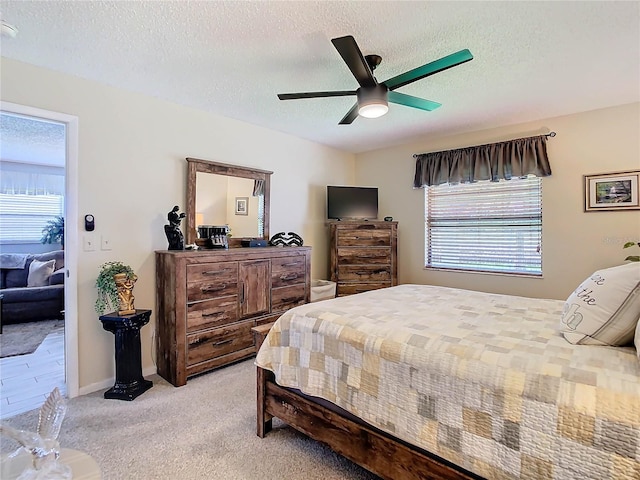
x=372, y=102
x=373, y=110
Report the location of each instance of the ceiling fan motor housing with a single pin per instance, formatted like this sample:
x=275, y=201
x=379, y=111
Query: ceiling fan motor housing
x=372, y=101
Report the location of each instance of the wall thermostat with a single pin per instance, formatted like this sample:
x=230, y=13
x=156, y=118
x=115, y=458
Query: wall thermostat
x=89, y=223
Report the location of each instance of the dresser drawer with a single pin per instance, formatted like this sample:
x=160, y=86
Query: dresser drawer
x=287, y=271
x=220, y=341
x=364, y=238
x=207, y=281
x=206, y=271
x=364, y=273
x=364, y=256
x=284, y=298
x=353, y=288
x=212, y=313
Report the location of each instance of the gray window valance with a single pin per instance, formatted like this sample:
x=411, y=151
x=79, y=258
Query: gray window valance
x=496, y=161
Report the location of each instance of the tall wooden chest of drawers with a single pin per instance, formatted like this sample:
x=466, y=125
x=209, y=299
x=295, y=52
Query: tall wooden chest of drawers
x=207, y=301
x=363, y=255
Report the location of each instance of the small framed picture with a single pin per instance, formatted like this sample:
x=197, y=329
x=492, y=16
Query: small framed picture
x=611, y=191
x=242, y=205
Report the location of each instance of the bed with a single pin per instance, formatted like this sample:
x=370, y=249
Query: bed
x=419, y=381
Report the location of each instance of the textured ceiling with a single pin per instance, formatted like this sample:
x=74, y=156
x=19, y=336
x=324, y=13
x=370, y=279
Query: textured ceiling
x=533, y=60
x=30, y=140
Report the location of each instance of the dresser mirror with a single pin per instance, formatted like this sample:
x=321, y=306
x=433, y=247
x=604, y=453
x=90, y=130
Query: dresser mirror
x=221, y=194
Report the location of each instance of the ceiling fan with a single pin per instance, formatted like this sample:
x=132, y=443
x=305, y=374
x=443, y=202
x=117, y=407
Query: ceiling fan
x=373, y=97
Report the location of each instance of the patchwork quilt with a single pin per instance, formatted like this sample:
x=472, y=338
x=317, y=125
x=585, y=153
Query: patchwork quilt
x=485, y=381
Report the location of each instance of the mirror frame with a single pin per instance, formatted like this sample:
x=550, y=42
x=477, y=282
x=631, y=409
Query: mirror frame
x=195, y=165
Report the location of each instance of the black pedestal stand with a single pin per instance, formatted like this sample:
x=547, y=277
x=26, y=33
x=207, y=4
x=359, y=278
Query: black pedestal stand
x=129, y=380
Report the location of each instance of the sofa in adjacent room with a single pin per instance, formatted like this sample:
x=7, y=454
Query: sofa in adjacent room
x=32, y=286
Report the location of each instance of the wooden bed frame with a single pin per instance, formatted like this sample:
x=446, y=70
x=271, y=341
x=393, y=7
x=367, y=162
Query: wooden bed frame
x=373, y=449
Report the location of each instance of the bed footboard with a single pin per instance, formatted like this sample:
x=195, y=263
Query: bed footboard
x=372, y=449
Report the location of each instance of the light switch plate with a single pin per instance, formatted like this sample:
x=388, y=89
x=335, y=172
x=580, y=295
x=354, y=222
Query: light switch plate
x=88, y=243
x=105, y=243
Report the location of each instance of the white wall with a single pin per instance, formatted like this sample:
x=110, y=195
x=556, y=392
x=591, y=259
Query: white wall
x=574, y=243
x=211, y=198
x=242, y=225
x=132, y=171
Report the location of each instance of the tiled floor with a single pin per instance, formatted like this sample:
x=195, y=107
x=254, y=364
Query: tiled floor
x=27, y=380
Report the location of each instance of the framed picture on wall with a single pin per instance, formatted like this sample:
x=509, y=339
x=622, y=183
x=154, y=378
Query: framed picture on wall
x=611, y=191
x=242, y=205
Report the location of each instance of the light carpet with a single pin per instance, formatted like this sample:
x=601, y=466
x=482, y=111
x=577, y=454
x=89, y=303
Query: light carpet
x=203, y=430
x=25, y=338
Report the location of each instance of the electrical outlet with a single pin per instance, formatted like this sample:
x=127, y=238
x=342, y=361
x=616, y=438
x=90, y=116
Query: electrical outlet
x=105, y=243
x=88, y=243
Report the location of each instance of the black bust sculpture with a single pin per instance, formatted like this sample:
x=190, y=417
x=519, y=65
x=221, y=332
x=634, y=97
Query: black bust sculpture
x=174, y=234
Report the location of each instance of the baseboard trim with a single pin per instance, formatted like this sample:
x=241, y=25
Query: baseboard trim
x=108, y=383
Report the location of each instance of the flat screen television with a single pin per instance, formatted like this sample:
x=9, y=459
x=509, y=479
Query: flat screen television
x=352, y=203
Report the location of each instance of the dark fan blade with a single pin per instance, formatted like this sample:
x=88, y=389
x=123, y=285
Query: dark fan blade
x=410, y=101
x=294, y=96
x=444, y=63
x=350, y=116
x=352, y=56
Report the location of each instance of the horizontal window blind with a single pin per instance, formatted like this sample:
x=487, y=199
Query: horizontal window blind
x=22, y=217
x=485, y=226
x=261, y=215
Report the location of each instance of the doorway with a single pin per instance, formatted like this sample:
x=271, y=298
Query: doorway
x=68, y=343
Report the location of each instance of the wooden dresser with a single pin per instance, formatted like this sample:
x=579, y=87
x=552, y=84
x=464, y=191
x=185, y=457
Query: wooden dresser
x=363, y=255
x=207, y=301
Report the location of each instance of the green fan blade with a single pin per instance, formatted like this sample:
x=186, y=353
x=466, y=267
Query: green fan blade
x=444, y=63
x=410, y=101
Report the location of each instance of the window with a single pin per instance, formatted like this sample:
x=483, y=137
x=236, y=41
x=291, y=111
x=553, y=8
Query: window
x=30, y=195
x=260, y=215
x=485, y=226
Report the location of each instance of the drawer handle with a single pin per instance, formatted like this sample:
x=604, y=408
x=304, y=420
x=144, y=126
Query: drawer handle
x=291, y=299
x=215, y=272
x=214, y=314
x=374, y=272
x=292, y=264
x=198, y=341
x=290, y=276
x=213, y=289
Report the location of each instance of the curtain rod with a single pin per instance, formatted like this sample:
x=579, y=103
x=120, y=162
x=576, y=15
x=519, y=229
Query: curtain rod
x=550, y=134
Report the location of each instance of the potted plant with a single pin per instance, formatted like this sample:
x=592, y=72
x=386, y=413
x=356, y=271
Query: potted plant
x=632, y=258
x=53, y=232
x=115, y=284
